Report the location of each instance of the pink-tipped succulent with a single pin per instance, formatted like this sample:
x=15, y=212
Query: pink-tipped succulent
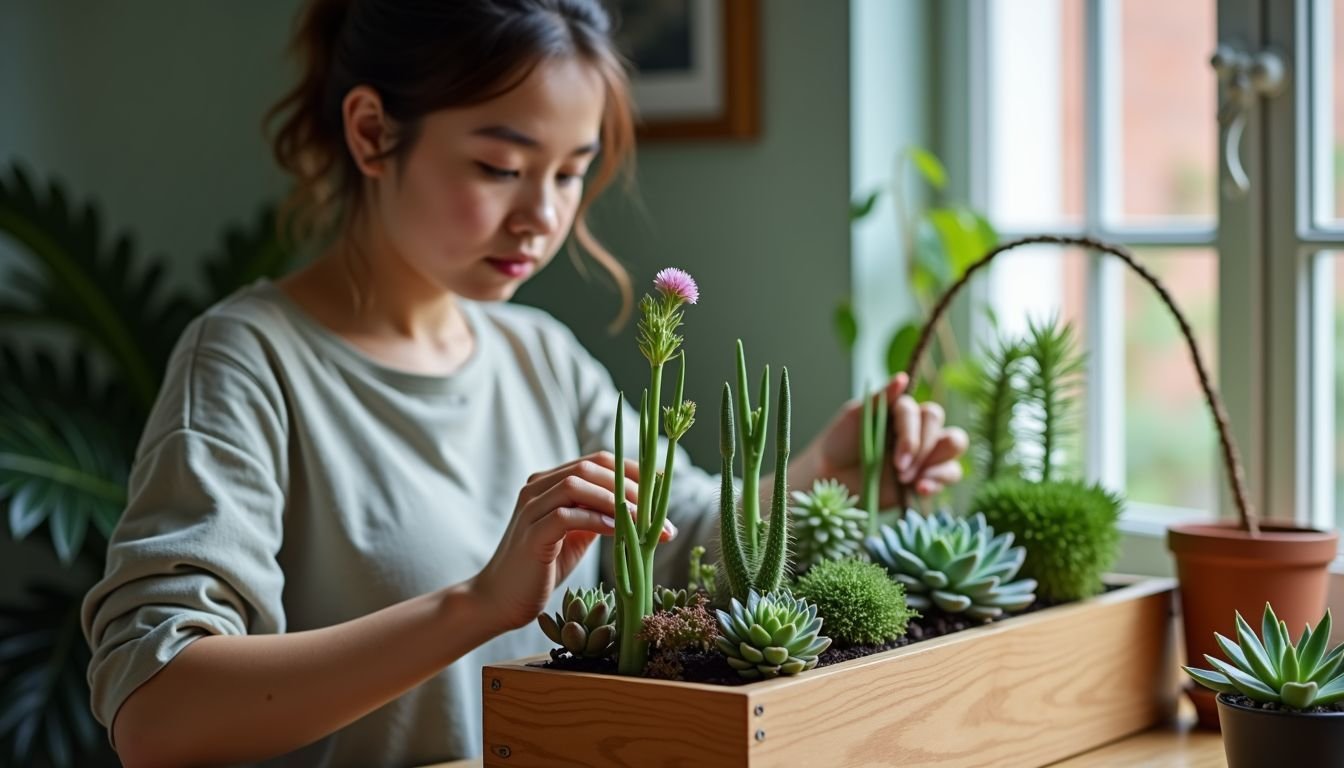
x=677, y=284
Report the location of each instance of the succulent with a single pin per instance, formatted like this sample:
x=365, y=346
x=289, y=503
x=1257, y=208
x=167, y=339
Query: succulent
x=956, y=564
x=772, y=635
x=1270, y=669
x=703, y=575
x=826, y=525
x=859, y=602
x=1068, y=528
x=586, y=623
x=665, y=599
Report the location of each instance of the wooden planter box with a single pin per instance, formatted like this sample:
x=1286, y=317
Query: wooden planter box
x=1024, y=692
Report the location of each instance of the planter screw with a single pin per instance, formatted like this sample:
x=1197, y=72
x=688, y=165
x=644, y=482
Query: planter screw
x=495, y=686
x=760, y=710
x=502, y=751
x=760, y=735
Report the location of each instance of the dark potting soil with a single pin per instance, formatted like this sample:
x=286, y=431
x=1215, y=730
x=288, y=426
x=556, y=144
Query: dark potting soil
x=712, y=668
x=1246, y=701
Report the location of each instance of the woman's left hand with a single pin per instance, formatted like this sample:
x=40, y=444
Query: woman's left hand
x=926, y=456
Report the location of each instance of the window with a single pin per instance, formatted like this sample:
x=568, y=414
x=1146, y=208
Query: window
x=1102, y=117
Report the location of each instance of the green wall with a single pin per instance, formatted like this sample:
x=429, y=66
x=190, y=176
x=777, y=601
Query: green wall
x=153, y=109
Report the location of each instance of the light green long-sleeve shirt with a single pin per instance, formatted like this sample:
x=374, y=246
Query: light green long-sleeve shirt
x=286, y=482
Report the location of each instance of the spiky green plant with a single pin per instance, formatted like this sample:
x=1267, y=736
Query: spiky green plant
x=771, y=635
x=956, y=564
x=1068, y=528
x=69, y=422
x=1271, y=670
x=859, y=601
x=1024, y=403
x=586, y=623
x=749, y=563
x=637, y=537
x=826, y=524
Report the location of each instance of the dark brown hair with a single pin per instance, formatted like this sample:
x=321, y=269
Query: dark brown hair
x=426, y=55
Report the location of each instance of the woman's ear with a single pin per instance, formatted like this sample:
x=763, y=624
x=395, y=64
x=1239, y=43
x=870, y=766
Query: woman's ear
x=369, y=132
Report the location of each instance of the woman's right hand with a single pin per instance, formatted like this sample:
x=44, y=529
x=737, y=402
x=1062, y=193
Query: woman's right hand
x=560, y=512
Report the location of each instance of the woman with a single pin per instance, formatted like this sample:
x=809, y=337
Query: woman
x=359, y=482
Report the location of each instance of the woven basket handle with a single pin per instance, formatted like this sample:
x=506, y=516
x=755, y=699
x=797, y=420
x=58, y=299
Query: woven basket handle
x=1231, y=460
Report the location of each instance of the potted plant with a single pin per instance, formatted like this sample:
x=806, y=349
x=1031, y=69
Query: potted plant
x=878, y=642
x=1227, y=566
x=1279, y=703
x=72, y=404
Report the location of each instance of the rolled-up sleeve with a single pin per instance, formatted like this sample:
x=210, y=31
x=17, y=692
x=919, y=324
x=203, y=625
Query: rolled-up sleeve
x=195, y=551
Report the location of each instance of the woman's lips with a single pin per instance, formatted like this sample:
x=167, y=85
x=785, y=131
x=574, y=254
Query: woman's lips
x=511, y=267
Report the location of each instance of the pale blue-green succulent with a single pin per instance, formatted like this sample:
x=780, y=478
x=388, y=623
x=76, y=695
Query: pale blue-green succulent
x=772, y=635
x=955, y=564
x=586, y=623
x=826, y=524
x=1270, y=669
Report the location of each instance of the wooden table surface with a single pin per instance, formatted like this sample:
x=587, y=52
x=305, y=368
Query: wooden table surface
x=1173, y=746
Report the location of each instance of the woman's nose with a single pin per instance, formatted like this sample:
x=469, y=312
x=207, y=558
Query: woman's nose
x=536, y=214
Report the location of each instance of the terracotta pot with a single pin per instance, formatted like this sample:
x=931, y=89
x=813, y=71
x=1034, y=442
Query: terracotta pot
x=1258, y=738
x=1223, y=570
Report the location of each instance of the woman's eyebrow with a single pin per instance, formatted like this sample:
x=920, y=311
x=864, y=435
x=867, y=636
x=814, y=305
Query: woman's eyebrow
x=505, y=133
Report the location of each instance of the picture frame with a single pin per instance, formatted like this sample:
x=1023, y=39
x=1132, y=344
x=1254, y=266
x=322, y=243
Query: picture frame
x=695, y=66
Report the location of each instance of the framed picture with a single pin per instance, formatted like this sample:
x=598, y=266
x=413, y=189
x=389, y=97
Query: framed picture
x=696, y=66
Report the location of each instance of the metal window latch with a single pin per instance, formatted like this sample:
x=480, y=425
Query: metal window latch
x=1243, y=77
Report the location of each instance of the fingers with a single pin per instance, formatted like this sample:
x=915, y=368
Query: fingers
x=582, y=483
x=906, y=417
x=951, y=444
x=897, y=386
x=931, y=420
x=935, y=478
x=570, y=525
x=602, y=459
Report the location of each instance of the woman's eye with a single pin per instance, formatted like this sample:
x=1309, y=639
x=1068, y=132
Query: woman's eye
x=568, y=178
x=495, y=172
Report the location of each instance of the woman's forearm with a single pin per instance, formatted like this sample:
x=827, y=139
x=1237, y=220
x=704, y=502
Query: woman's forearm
x=228, y=699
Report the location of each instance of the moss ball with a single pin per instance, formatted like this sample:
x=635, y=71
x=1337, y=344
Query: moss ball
x=858, y=602
x=1067, y=527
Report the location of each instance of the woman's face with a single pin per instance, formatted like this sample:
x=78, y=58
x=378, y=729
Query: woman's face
x=488, y=193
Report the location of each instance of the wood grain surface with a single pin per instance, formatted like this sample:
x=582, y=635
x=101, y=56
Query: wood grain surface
x=1026, y=692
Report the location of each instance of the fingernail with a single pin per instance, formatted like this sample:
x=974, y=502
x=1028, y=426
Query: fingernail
x=669, y=527
x=609, y=521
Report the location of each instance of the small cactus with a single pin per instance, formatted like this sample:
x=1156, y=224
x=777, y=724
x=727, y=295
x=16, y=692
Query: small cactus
x=826, y=525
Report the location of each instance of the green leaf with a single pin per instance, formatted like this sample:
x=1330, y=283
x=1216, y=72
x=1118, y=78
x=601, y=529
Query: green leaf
x=860, y=208
x=928, y=166
x=1298, y=695
x=1311, y=646
x=1243, y=682
x=68, y=529
x=930, y=271
x=1256, y=654
x=1331, y=693
x=1213, y=680
x=900, y=347
x=26, y=509
x=966, y=237
x=846, y=324
x=1269, y=630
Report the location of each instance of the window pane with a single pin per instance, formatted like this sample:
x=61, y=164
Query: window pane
x=1328, y=105
x=1035, y=126
x=1167, y=166
x=1170, y=440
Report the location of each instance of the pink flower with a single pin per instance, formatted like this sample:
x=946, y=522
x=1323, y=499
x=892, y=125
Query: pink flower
x=677, y=284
